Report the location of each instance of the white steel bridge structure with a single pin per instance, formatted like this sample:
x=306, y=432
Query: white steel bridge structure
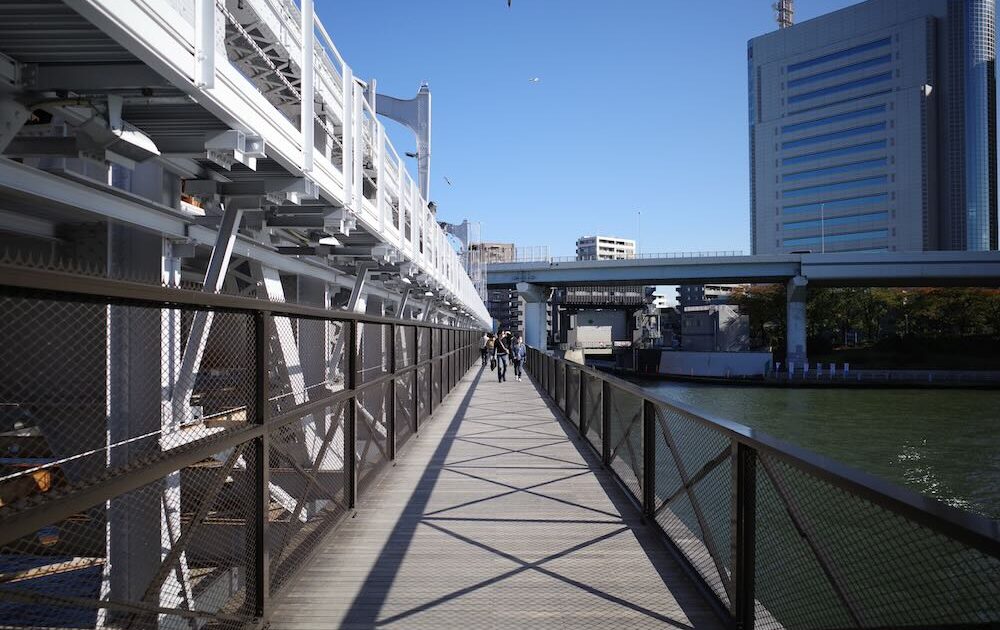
x=221, y=150
x=184, y=119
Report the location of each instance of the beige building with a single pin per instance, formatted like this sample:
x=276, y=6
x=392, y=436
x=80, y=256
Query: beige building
x=497, y=252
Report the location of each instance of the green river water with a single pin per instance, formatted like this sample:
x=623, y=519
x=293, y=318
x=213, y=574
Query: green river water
x=942, y=443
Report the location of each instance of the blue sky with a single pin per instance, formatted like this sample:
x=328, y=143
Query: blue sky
x=640, y=106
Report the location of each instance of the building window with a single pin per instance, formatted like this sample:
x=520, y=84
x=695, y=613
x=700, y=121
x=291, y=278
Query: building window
x=853, y=219
x=835, y=135
x=832, y=153
x=819, y=122
x=840, y=54
x=842, y=87
x=829, y=74
x=853, y=167
x=837, y=238
x=837, y=186
x=836, y=204
x=828, y=104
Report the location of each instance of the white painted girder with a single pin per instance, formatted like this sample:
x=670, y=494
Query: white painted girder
x=161, y=38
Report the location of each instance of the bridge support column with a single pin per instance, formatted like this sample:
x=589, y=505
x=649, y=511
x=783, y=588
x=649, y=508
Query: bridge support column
x=795, y=325
x=536, y=298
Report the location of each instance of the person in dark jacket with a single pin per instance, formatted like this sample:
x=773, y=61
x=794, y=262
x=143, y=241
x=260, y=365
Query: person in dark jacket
x=518, y=352
x=502, y=349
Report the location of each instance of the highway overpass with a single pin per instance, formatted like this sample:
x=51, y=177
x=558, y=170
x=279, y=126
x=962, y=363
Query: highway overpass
x=797, y=271
x=889, y=269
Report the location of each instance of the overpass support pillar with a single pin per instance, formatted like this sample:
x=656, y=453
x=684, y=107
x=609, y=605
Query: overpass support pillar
x=795, y=325
x=535, y=310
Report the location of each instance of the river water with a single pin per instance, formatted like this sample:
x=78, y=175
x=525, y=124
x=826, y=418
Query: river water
x=942, y=443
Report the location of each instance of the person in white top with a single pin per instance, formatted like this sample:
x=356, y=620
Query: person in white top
x=483, y=347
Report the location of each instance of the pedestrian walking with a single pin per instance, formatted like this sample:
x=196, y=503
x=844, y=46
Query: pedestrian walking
x=518, y=352
x=502, y=351
x=483, y=350
x=491, y=351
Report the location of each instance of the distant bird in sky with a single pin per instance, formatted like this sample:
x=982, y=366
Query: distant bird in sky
x=447, y=181
x=535, y=80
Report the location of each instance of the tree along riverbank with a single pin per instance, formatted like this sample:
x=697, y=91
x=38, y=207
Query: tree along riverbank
x=873, y=328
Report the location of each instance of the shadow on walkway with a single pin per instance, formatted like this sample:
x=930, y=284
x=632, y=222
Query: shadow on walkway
x=512, y=522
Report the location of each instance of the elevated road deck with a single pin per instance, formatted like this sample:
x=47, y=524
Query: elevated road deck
x=498, y=516
x=898, y=269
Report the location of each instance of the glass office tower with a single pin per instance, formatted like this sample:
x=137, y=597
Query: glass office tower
x=874, y=129
x=979, y=70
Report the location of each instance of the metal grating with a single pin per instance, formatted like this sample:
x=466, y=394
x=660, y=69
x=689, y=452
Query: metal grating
x=154, y=449
x=781, y=537
x=625, y=438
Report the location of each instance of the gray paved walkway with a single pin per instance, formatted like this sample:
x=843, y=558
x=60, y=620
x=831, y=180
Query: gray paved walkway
x=495, y=517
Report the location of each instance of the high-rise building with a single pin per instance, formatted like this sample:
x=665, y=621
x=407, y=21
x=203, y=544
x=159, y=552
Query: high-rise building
x=873, y=128
x=604, y=248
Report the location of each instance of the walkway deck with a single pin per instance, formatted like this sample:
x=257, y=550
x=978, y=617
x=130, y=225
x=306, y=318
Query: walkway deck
x=495, y=517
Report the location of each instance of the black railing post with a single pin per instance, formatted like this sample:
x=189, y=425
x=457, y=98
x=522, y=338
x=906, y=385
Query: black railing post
x=745, y=478
x=565, y=388
x=552, y=379
x=583, y=402
x=605, y=422
x=351, y=415
x=648, y=457
x=262, y=472
x=416, y=380
x=551, y=375
x=391, y=414
x=430, y=373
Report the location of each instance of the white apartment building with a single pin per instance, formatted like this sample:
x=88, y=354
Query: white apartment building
x=604, y=248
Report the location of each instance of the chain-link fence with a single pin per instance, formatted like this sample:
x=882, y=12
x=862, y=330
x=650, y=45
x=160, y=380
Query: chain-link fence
x=170, y=458
x=781, y=537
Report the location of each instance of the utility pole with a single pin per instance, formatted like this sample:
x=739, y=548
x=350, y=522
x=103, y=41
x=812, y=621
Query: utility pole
x=638, y=231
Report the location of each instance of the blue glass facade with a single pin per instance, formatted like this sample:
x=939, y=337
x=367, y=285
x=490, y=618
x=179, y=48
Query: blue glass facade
x=838, y=204
x=836, y=187
x=869, y=235
x=853, y=219
x=853, y=167
x=834, y=153
x=874, y=128
x=836, y=118
x=834, y=135
x=837, y=72
x=881, y=77
x=980, y=125
x=841, y=54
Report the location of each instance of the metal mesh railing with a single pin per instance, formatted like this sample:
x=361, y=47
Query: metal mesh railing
x=160, y=448
x=782, y=538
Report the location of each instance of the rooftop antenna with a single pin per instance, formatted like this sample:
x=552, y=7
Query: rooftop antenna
x=785, y=13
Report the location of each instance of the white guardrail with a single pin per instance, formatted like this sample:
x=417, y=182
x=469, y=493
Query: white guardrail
x=183, y=40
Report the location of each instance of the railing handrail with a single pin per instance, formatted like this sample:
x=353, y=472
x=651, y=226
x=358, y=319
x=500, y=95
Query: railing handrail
x=976, y=530
x=140, y=294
